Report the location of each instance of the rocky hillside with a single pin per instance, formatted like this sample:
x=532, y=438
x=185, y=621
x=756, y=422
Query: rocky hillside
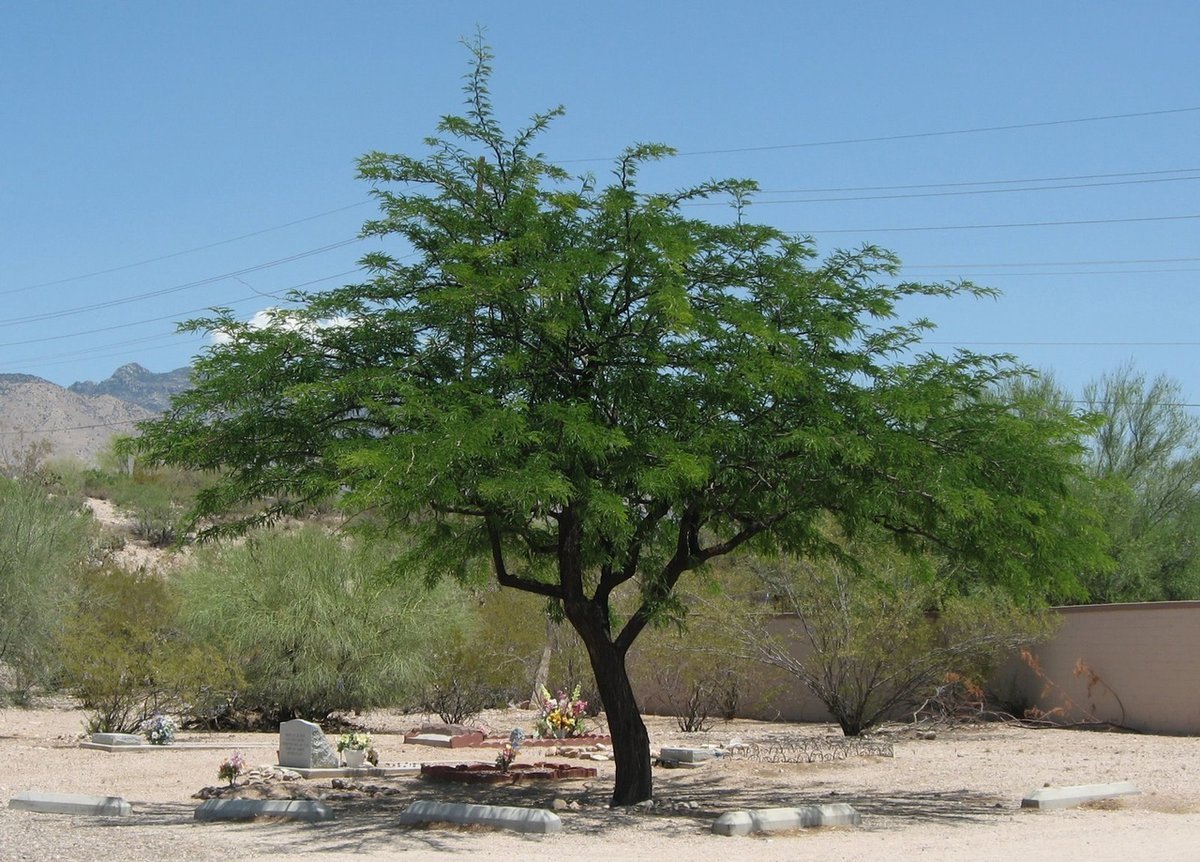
x=136, y=385
x=73, y=425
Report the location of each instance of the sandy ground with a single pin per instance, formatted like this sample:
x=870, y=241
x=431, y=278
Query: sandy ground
x=952, y=797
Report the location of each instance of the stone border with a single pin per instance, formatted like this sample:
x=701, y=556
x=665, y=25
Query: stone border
x=178, y=746
x=251, y=809
x=385, y=771
x=518, y=773
x=580, y=742
x=445, y=740
x=785, y=819
x=1053, y=798
x=533, y=820
x=70, y=803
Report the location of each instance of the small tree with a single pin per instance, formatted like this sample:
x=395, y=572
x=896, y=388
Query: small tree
x=1145, y=459
x=591, y=393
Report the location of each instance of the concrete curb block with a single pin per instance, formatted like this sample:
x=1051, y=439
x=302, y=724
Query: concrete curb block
x=1052, y=798
x=70, y=803
x=249, y=809
x=786, y=819
x=518, y=819
x=687, y=755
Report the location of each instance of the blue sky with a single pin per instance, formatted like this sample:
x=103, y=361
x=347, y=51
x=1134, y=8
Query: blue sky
x=161, y=158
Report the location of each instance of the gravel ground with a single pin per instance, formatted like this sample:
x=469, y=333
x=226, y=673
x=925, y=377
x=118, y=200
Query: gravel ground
x=954, y=796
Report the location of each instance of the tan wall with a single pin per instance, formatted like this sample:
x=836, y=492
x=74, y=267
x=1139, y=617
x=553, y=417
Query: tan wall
x=765, y=693
x=1138, y=666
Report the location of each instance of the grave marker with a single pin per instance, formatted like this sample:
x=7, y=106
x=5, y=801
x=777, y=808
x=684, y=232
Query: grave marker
x=302, y=745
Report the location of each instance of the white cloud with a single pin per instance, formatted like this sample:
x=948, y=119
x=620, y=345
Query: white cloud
x=273, y=316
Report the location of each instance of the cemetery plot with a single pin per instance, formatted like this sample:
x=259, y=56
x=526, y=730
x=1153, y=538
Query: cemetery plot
x=810, y=749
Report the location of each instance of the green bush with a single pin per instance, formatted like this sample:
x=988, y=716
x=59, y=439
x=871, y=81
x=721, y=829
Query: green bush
x=317, y=622
x=124, y=656
x=43, y=542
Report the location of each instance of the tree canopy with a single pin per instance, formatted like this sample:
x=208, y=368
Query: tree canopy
x=1144, y=458
x=582, y=388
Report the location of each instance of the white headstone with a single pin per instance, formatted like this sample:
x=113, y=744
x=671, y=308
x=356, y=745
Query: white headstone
x=302, y=745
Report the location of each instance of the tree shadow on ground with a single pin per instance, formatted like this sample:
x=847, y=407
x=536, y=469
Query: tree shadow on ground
x=686, y=802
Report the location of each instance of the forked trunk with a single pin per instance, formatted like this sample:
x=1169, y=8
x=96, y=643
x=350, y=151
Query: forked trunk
x=631, y=742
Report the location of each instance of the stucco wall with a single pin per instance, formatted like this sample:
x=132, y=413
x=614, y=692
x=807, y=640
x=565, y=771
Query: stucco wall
x=1137, y=665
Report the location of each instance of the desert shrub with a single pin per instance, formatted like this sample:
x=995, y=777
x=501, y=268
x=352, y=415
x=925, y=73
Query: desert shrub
x=43, y=542
x=455, y=690
x=125, y=657
x=158, y=497
x=317, y=622
x=692, y=669
x=881, y=631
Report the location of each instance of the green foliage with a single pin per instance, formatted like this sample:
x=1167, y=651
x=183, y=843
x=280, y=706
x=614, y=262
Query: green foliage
x=43, y=543
x=125, y=657
x=879, y=631
x=1145, y=458
x=590, y=391
x=317, y=623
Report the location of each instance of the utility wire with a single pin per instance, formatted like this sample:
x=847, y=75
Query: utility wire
x=1053, y=263
x=52, y=315
x=990, y=226
x=1075, y=272
x=174, y=315
x=915, y=135
x=1063, y=343
x=182, y=252
x=976, y=182
x=947, y=194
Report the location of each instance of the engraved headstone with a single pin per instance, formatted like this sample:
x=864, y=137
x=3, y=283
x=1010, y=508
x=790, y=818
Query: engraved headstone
x=302, y=745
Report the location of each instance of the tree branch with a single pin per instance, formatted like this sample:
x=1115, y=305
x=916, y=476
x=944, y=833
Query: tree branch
x=506, y=579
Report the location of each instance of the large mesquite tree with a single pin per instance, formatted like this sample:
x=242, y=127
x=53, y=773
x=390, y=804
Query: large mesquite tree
x=588, y=391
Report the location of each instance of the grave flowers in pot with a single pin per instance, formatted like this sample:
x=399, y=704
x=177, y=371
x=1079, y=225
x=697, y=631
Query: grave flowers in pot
x=353, y=747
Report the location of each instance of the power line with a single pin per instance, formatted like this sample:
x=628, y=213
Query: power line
x=1053, y=263
x=52, y=315
x=977, y=182
x=915, y=135
x=74, y=356
x=183, y=252
x=914, y=195
x=172, y=316
x=1075, y=272
x=1063, y=343
x=71, y=428
x=990, y=226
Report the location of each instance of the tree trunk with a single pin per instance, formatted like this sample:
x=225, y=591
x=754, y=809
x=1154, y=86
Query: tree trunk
x=631, y=742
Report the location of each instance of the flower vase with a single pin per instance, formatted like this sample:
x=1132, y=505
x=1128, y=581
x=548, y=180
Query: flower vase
x=354, y=757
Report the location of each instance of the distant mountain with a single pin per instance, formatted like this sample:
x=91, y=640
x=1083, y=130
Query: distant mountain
x=33, y=410
x=136, y=385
